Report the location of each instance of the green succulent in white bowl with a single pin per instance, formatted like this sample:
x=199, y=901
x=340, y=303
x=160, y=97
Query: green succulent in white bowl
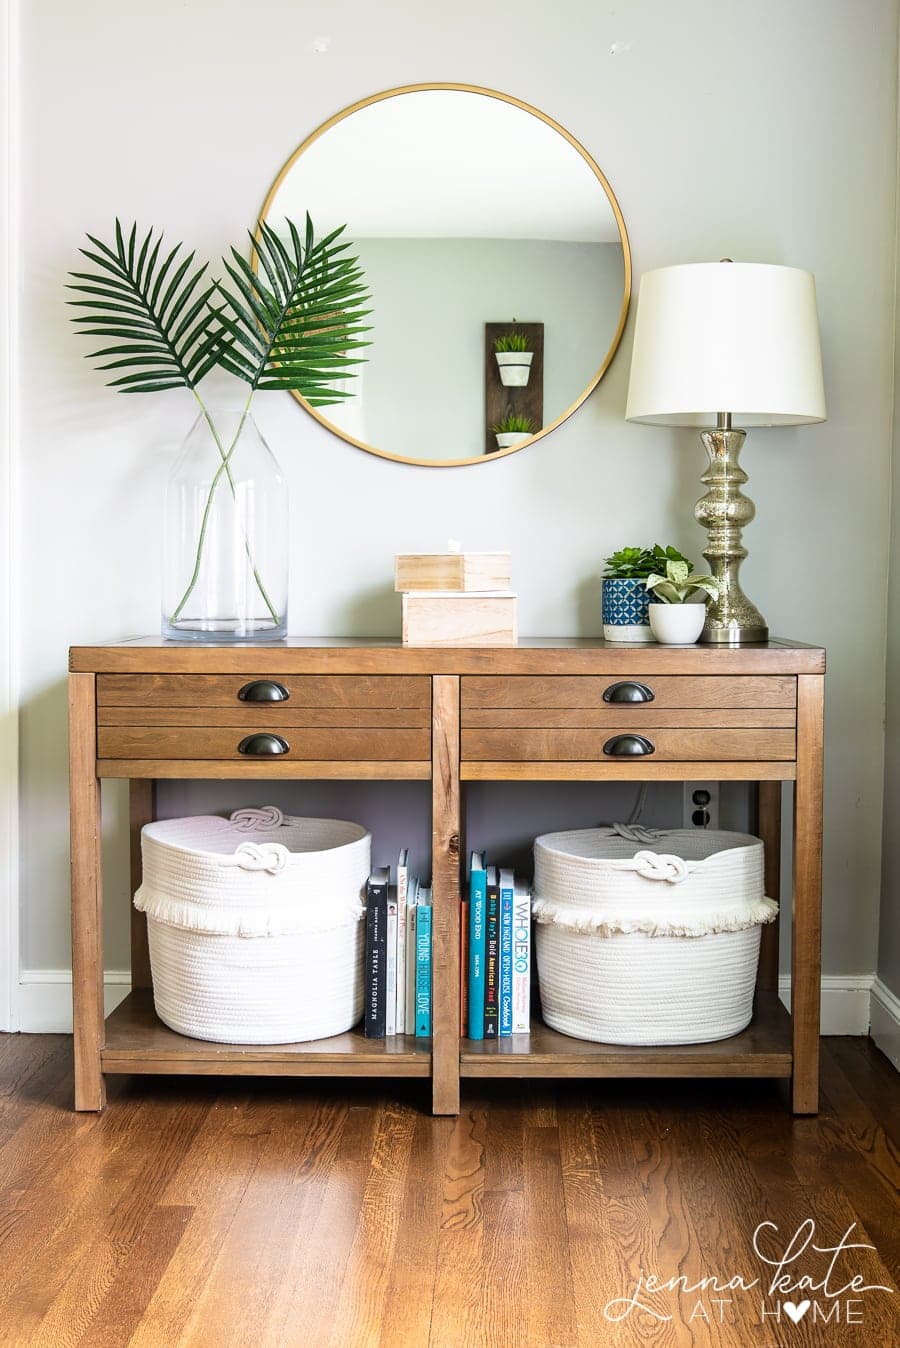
x=677, y=618
x=679, y=583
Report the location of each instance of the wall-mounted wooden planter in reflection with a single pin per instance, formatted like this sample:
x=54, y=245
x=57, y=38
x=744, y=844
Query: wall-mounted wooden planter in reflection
x=501, y=399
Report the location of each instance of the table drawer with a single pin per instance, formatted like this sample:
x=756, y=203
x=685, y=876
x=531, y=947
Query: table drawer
x=674, y=718
x=278, y=692
x=631, y=696
x=266, y=740
x=630, y=742
x=332, y=718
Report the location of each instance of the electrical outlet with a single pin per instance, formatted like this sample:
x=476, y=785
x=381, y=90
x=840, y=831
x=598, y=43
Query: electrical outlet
x=700, y=805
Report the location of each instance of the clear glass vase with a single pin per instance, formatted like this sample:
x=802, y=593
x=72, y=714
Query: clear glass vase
x=225, y=563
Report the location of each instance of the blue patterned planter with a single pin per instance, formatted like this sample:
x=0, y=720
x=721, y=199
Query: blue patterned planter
x=625, y=605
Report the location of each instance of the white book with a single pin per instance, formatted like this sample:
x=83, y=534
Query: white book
x=390, y=965
x=412, y=895
x=521, y=958
x=402, y=890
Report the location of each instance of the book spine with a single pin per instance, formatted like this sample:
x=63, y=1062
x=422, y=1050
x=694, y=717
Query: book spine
x=492, y=963
x=390, y=968
x=477, y=898
x=376, y=922
x=402, y=888
x=423, y=972
x=410, y=1017
x=463, y=967
x=521, y=963
x=506, y=960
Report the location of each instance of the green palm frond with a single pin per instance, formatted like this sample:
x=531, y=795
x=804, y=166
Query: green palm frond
x=293, y=313
x=154, y=308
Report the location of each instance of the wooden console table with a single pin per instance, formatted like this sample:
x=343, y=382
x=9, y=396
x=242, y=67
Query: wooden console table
x=541, y=711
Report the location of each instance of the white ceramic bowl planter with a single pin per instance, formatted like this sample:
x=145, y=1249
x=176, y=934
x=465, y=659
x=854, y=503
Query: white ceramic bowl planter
x=514, y=367
x=677, y=624
x=505, y=439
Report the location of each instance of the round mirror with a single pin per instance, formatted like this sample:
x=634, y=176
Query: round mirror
x=496, y=258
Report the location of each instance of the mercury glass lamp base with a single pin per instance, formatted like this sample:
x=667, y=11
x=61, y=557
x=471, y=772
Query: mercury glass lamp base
x=731, y=620
x=733, y=635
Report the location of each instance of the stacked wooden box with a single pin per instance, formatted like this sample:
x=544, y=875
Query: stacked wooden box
x=456, y=599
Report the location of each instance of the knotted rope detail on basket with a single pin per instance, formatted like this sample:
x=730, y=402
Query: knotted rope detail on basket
x=659, y=866
x=255, y=817
x=636, y=832
x=271, y=857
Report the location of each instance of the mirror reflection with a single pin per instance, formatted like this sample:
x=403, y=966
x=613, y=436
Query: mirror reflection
x=496, y=258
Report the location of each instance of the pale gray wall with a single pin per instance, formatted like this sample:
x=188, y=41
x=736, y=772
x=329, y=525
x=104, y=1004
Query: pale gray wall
x=759, y=132
x=889, y=933
x=422, y=387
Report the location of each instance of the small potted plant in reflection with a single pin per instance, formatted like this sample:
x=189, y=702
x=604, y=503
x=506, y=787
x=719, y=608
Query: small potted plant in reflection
x=513, y=429
x=513, y=358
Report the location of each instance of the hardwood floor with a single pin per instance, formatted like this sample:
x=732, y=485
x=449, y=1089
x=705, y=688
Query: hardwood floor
x=313, y=1212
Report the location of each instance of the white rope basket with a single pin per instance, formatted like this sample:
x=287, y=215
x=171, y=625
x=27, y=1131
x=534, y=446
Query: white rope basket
x=647, y=936
x=254, y=925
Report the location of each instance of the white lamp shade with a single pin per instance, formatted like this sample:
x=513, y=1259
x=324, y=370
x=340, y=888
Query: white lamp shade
x=734, y=337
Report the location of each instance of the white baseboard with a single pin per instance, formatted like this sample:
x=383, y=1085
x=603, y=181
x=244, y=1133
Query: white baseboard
x=45, y=998
x=845, y=1001
x=885, y=1024
x=45, y=1004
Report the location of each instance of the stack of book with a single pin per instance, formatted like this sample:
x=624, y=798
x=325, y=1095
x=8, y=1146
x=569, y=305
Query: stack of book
x=397, y=967
x=495, y=992
x=456, y=599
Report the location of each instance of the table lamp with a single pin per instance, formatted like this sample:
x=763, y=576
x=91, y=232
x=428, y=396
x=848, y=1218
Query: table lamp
x=717, y=342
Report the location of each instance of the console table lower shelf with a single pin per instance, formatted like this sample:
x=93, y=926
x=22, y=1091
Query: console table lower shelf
x=762, y=1050
x=138, y=1042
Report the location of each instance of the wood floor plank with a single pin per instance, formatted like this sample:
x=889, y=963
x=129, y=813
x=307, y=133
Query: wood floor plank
x=68, y=1253
x=458, y=1313
x=212, y=1179
x=359, y=1312
x=410, y=1292
x=122, y=1309
x=242, y=1286
x=303, y=1311
x=550, y=1305
x=592, y=1252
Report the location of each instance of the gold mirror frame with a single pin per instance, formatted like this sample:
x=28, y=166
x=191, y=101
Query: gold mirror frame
x=626, y=258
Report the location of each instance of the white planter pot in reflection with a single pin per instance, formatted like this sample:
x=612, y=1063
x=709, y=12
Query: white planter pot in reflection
x=508, y=438
x=515, y=367
x=677, y=624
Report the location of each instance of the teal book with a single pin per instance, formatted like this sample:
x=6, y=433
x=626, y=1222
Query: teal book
x=477, y=901
x=423, y=965
x=492, y=956
x=507, y=893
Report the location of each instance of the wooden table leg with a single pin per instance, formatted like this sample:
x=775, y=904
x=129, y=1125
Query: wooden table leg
x=807, y=914
x=141, y=803
x=87, y=894
x=769, y=829
x=445, y=871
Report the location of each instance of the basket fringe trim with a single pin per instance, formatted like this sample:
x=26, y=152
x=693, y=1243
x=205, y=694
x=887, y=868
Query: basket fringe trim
x=272, y=920
x=656, y=922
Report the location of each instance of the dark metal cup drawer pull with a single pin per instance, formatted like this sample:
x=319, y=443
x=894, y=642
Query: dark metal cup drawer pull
x=628, y=746
x=628, y=691
x=264, y=690
x=262, y=745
